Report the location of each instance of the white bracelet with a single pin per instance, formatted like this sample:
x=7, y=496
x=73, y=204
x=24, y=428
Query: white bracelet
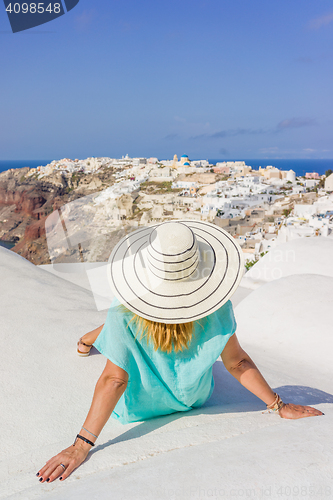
x=90, y=432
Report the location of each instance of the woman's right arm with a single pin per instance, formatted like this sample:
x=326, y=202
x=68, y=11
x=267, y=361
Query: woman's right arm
x=241, y=366
x=109, y=388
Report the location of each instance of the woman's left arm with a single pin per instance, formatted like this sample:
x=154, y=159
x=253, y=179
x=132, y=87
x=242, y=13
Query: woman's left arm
x=241, y=366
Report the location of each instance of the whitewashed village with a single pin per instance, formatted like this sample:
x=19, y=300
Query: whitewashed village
x=259, y=208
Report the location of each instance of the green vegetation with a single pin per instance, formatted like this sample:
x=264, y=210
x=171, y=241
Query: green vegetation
x=251, y=263
x=158, y=187
x=22, y=179
x=328, y=172
x=137, y=212
x=286, y=212
x=221, y=177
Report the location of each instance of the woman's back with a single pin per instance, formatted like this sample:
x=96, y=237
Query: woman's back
x=160, y=382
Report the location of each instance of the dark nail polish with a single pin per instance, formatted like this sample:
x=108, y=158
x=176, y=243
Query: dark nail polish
x=48, y=479
x=41, y=479
x=37, y=474
x=60, y=478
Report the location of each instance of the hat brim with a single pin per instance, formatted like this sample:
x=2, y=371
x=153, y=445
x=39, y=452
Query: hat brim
x=220, y=269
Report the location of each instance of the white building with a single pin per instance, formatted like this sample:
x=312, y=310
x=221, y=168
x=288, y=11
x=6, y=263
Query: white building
x=304, y=210
x=329, y=183
x=310, y=183
x=298, y=189
x=291, y=176
x=162, y=172
x=200, y=163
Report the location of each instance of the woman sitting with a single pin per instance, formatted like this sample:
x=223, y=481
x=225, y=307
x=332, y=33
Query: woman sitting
x=171, y=319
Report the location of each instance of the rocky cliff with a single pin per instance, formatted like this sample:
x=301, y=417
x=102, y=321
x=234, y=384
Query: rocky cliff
x=26, y=201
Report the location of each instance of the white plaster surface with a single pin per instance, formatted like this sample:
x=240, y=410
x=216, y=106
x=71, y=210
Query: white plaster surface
x=90, y=275
x=74, y=272
x=226, y=449
x=310, y=255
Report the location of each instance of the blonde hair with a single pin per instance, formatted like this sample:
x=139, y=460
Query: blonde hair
x=166, y=337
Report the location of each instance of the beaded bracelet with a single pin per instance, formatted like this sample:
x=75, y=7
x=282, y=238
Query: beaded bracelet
x=277, y=403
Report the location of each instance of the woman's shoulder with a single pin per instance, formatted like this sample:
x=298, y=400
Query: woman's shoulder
x=223, y=318
x=226, y=310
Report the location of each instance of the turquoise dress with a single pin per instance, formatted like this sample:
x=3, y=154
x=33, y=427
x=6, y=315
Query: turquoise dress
x=161, y=383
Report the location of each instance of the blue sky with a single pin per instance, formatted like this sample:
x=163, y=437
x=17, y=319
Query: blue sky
x=208, y=78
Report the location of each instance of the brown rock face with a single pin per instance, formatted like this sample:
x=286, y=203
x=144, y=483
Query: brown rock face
x=25, y=203
x=35, y=230
x=33, y=246
x=26, y=196
x=24, y=206
x=30, y=201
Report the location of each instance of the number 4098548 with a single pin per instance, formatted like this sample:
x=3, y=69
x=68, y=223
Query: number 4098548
x=34, y=8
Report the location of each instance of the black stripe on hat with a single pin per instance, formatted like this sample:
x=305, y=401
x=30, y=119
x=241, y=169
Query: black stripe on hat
x=180, y=271
x=175, y=262
x=171, y=279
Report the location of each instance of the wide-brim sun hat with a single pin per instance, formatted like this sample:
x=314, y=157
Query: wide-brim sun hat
x=177, y=271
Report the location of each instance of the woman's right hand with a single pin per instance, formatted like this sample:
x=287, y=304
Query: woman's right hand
x=292, y=411
x=72, y=457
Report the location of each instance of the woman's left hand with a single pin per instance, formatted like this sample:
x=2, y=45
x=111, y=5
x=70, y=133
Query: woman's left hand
x=292, y=411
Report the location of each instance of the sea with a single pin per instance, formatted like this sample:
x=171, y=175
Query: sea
x=7, y=164
x=6, y=244
x=299, y=166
